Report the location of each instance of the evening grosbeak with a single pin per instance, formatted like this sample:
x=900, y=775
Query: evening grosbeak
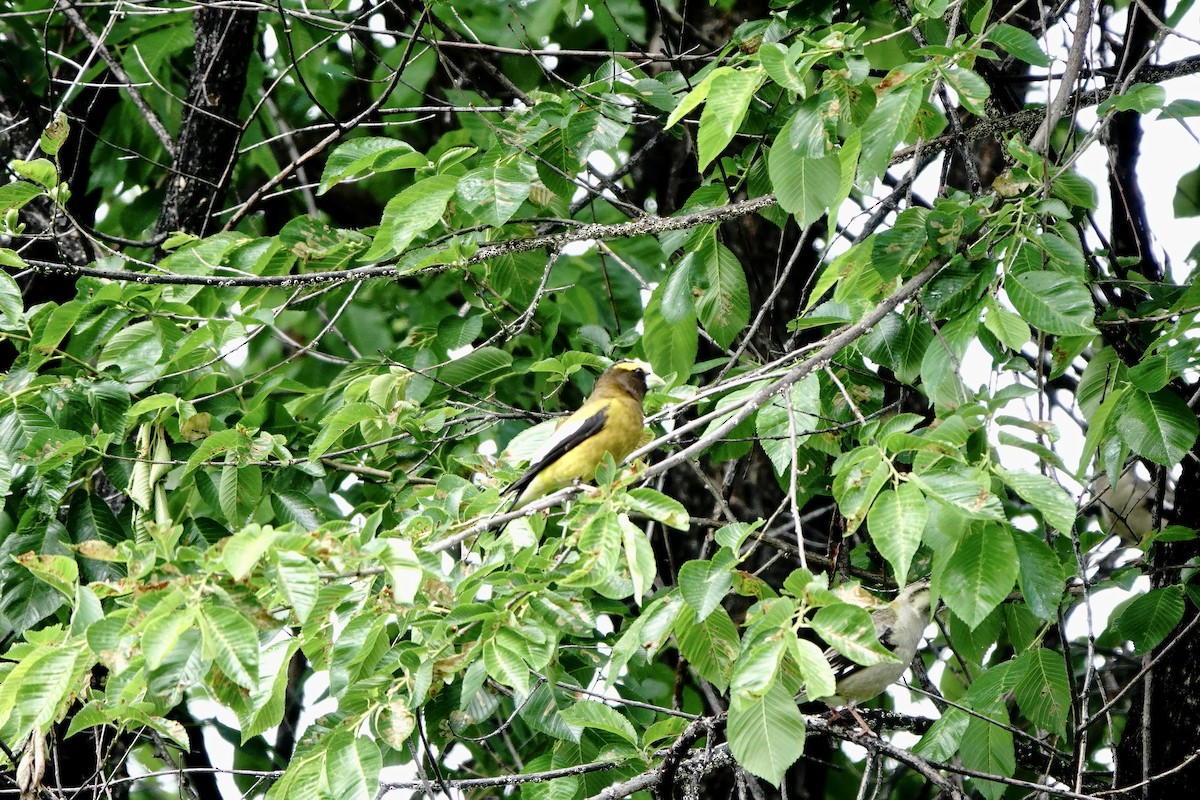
x=609, y=422
x=899, y=625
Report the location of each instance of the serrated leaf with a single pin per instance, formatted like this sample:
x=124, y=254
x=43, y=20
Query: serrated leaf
x=1043, y=693
x=896, y=523
x=240, y=492
x=988, y=749
x=724, y=109
x=887, y=126
x=1158, y=426
x=724, y=303
x=336, y=424
x=849, y=630
x=1052, y=302
x=704, y=585
x=591, y=714
x=409, y=214
x=980, y=573
x=233, y=641
x=766, y=734
x=711, y=644
x=1043, y=494
x=352, y=765
x=1019, y=43
x=657, y=506
x=1040, y=576
x=805, y=187
x=1149, y=619
x=964, y=494
x=368, y=154
x=494, y=193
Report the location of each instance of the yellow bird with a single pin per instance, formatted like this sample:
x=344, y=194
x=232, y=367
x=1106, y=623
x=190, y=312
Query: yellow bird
x=610, y=421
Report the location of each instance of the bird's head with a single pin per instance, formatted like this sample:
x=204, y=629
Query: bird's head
x=633, y=376
x=915, y=596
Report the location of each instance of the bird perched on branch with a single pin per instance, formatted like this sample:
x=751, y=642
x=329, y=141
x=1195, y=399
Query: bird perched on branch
x=899, y=625
x=610, y=421
x=1127, y=510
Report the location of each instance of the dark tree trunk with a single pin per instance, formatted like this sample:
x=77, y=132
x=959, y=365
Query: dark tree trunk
x=206, y=148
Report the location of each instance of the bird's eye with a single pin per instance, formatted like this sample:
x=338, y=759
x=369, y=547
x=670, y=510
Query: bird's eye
x=641, y=373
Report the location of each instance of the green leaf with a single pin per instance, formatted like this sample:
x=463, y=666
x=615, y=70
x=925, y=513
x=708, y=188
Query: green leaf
x=352, y=765
x=805, y=187
x=504, y=657
x=724, y=109
x=980, y=573
x=696, y=96
x=1009, y=328
x=297, y=507
x=409, y=214
x=161, y=635
x=724, y=303
x=298, y=581
x=336, y=424
x=639, y=558
x=1052, y=302
x=944, y=737
x=805, y=132
x=1019, y=43
x=849, y=630
x=16, y=195
x=971, y=89
x=1043, y=494
x=859, y=477
x=766, y=734
x=819, y=677
x=40, y=170
x=1158, y=426
x=887, y=126
x=61, y=572
x=136, y=351
x=300, y=781
x=1186, y=202
x=657, y=506
x=1043, y=693
x=670, y=347
x=1075, y=191
x=232, y=639
x=899, y=344
x=1140, y=97
x=240, y=492
x=591, y=714
x=493, y=194
x=785, y=421
x=896, y=523
x=704, y=585
x=781, y=66
x=757, y=668
x=1149, y=619
x=1041, y=576
x=369, y=154
x=897, y=247
x=643, y=638
x=474, y=365
x=988, y=748
x=711, y=644
x=961, y=492
x=243, y=550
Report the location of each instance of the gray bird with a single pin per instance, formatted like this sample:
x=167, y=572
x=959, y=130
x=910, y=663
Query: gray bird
x=1127, y=510
x=899, y=626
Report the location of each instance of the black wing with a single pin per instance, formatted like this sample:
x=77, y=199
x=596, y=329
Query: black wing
x=584, y=430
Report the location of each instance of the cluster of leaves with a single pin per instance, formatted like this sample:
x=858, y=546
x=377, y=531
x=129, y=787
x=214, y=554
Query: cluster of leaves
x=275, y=452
